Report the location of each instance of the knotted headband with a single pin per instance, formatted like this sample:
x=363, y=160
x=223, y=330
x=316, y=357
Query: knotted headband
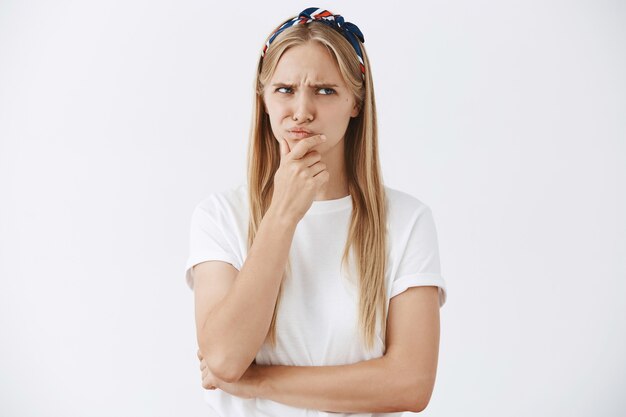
x=350, y=31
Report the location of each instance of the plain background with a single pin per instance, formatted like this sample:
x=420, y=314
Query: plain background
x=508, y=118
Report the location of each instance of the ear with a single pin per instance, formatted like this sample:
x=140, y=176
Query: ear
x=355, y=111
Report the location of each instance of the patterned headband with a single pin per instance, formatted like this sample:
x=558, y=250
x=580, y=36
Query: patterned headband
x=350, y=31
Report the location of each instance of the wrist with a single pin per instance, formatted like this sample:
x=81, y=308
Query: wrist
x=279, y=219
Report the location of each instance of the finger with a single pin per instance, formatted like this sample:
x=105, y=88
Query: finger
x=199, y=354
x=207, y=383
x=306, y=144
x=208, y=386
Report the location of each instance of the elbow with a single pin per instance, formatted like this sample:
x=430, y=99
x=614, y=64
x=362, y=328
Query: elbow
x=227, y=373
x=222, y=368
x=417, y=407
x=418, y=401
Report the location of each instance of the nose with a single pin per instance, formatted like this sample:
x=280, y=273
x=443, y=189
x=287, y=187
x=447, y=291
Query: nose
x=304, y=107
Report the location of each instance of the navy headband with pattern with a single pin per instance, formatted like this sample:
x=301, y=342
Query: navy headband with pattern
x=350, y=31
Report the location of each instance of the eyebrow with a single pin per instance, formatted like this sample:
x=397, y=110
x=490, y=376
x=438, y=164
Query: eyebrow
x=316, y=85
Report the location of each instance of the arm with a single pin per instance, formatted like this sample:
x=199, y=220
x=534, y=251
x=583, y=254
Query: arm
x=401, y=380
x=228, y=348
x=372, y=386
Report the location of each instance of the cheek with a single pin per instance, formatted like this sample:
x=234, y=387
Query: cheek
x=277, y=110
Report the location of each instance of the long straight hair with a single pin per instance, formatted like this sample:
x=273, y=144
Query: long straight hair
x=367, y=234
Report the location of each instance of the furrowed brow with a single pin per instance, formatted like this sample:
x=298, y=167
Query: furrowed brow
x=316, y=85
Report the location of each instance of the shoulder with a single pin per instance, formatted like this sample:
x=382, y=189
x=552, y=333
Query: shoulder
x=402, y=206
x=233, y=199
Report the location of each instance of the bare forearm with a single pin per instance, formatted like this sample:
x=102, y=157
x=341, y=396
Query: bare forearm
x=238, y=325
x=372, y=386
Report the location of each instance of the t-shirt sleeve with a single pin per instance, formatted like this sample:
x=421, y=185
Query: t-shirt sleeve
x=419, y=263
x=210, y=239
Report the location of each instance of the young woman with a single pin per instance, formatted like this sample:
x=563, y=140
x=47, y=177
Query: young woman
x=317, y=288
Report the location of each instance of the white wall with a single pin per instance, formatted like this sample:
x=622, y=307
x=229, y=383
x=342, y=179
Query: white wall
x=117, y=117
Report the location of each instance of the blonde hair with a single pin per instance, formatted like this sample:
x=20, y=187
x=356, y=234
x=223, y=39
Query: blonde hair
x=367, y=232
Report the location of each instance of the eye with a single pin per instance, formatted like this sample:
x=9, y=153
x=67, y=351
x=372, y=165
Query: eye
x=329, y=93
x=329, y=89
x=279, y=88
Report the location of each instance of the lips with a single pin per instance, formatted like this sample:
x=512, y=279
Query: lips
x=299, y=129
x=300, y=133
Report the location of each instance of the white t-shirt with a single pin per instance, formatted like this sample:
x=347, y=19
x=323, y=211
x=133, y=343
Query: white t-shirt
x=318, y=314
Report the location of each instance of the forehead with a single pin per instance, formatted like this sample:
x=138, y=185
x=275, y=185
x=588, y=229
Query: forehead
x=310, y=62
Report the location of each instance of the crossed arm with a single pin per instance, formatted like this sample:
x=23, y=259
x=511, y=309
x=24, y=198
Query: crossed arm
x=401, y=380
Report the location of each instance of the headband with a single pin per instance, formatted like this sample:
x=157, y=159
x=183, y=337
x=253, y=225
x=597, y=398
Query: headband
x=350, y=31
